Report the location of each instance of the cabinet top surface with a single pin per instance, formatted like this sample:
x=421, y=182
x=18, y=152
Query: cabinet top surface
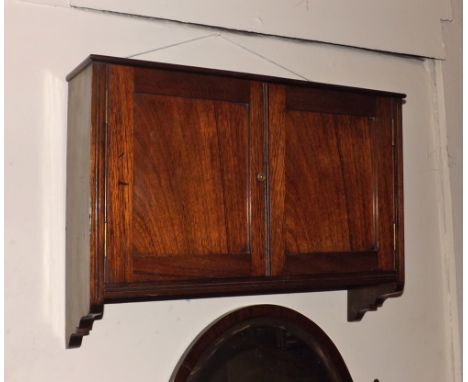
x=192, y=69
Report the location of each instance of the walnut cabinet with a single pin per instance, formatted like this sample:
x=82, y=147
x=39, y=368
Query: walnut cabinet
x=185, y=182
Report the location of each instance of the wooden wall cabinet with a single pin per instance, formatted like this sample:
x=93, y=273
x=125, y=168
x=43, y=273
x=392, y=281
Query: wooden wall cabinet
x=185, y=182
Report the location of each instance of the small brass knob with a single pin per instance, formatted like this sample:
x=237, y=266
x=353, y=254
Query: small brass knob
x=261, y=177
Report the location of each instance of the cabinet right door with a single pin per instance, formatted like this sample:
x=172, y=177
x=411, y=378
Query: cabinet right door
x=332, y=190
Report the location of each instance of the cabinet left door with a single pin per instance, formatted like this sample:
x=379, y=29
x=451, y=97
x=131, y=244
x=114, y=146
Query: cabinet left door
x=183, y=152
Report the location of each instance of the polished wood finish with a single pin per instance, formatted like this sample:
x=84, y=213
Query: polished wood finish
x=208, y=183
x=329, y=164
x=241, y=320
x=330, y=101
x=191, y=85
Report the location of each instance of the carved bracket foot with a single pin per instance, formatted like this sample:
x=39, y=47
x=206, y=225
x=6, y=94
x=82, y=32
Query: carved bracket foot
x=364, y=299
x=83, y=329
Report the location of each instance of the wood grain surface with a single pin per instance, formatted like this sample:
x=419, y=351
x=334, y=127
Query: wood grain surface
x=329, y=183
x=119, y=173
x=191, y=172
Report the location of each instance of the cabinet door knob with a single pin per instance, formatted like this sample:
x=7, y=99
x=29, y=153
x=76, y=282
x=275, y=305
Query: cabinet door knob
x=261, y=177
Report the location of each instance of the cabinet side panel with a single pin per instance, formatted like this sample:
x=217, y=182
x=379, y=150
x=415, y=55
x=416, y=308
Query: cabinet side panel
x=78, y=205
x=386, y=203
x=85, y=202
x=400, y=234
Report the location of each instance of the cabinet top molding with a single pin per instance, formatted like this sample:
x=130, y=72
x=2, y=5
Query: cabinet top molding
x=225, y=73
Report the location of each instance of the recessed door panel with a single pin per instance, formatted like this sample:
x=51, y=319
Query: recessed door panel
x=190, y=191
x=330, y=186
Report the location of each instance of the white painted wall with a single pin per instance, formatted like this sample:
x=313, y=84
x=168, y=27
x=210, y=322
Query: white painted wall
x=406, y=340
x=406, y=26
x=452, y=92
